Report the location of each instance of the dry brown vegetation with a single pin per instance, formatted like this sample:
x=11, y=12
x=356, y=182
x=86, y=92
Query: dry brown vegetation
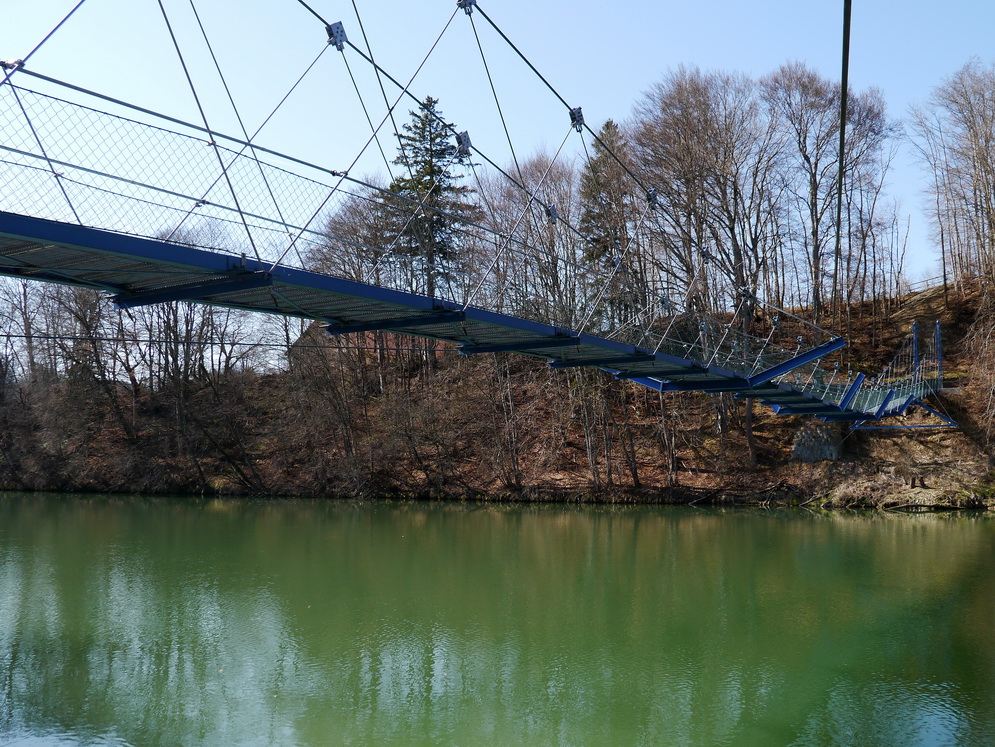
x=367, y=423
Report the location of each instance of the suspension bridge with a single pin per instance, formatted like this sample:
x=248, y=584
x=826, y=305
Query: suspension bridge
x=146, y=208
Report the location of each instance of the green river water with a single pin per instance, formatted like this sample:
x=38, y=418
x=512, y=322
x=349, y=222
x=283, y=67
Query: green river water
x=226, y=622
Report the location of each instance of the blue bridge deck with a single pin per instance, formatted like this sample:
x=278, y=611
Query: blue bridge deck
x=137, y=271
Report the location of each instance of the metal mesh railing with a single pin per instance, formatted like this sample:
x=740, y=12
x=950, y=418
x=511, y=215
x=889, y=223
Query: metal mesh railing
x=67, y=162
x=915, y=371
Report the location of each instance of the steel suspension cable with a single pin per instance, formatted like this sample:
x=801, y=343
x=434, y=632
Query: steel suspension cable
x=313, y=12
x=203, y=115
x=614, y=272
x=642, y=219
x=404, y=92
x=526, y=211
x=556, y=93
x=500, y=110
x=497, y=101
x=366, y=113
x=51, y=165
x=383, y=91
x=452, y=130
x=19, y=64
x=238, y=116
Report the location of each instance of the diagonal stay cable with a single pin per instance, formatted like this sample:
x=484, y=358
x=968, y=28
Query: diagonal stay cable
x=526, y=211
x=497, y=100
x=501, y=116
x=19, y=64
x=614, y=272
x=249, y=142
x=51, y=165
x=404, y=92
x=203, y=115
x=383, y=91
x=369, y=119
x=238, y=115
x=419, y=210
x=375, y=130
x=556, y=93
x=603, y=197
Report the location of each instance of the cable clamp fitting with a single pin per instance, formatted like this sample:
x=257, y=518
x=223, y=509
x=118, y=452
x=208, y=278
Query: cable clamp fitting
x=577, y=119
x=337, y=35
x=12, y=64
x=652, y=197
x=466, y=5
x=463, y=143
x=551, y=213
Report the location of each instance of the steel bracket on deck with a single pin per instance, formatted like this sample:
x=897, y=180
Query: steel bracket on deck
x=725, y=385
x=887, y=401
x=602, y=362
x=664, y=374
x=510, y=347
x=237, y=283
x=407, y=322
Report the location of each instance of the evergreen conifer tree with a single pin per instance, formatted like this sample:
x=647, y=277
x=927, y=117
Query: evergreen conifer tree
x=608, y=218
x=425, y=222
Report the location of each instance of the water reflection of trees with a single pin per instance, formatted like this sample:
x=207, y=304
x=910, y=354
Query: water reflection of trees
x=289, y=622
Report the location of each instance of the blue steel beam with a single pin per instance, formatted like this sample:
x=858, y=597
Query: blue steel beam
x=48, y=276
x=846, y=417
x=649, y=383
x=941, y=416
x=817, y=409
x=799, y=360
x=851, y=392
x=887, y=401
x=860, y=427
x=906, y=405
x=240, y=282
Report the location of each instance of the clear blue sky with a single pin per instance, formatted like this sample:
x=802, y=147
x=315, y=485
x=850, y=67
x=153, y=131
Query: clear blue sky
x=601, y=56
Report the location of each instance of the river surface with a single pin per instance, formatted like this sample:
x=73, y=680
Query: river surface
x=176, y=621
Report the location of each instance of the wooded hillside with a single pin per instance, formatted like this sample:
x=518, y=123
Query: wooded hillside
x=742, y=212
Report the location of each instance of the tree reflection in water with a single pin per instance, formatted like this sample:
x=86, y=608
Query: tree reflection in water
x=181, y=621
